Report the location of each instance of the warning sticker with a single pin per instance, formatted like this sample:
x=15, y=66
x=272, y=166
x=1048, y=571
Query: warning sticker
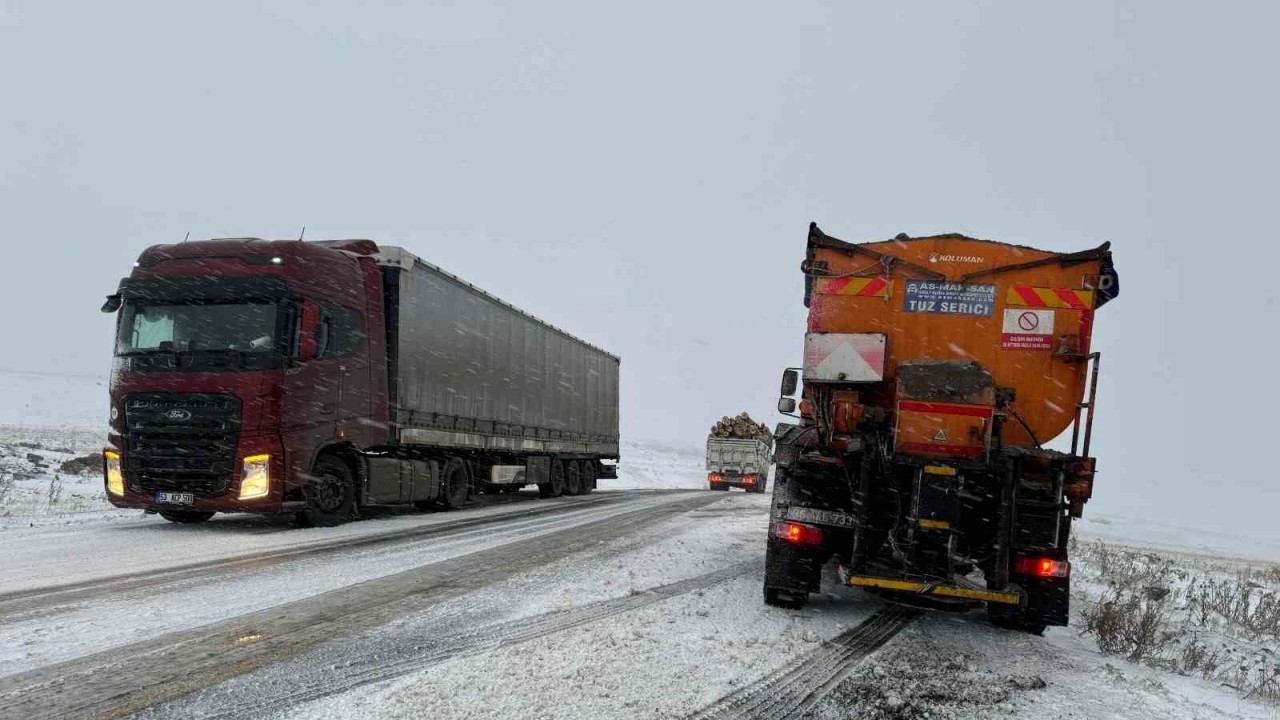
x=948, y=298
x=1027, y=330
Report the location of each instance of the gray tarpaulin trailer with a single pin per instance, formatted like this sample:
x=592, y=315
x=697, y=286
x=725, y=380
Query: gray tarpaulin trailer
x=470, y=372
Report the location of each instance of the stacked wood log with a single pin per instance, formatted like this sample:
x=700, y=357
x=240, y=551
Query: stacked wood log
x=741, y=427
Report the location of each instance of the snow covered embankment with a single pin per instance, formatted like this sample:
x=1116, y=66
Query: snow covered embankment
x=51, y=476
x=650, y=465
x=1194, y=615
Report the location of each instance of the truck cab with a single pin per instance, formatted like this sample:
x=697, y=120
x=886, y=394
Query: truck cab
x=238, y=362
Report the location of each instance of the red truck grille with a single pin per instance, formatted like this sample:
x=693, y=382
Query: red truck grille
x=181, y=441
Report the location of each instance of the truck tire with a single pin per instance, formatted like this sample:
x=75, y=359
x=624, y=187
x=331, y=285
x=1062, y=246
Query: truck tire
x=588, y=476
x=457, y=484
x=573, y=478
x=554, y=487
x=785, y=599
x=1009, y=619
x=331, y=496
x=188, y=517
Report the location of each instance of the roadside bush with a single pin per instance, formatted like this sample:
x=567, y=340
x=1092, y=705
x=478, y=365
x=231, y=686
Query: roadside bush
x=1199, y=659
x=1206, y=617
x=1132, y=625
x=1239, y=606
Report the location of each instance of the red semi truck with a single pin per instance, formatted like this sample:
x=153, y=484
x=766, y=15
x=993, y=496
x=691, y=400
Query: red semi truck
x=316, y=378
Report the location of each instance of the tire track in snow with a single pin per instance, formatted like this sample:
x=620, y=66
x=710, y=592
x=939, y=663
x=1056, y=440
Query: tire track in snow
x=124, y=680
x=380, y=662
x=46, y=601
x=788, y=693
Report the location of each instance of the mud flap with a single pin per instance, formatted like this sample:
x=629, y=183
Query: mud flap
x=793, y=567
x=1048, y=599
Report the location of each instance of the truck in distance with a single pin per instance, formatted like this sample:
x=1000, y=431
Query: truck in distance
x=317, y=378
x=739, y=454
x=738, y=462
x=935, y=371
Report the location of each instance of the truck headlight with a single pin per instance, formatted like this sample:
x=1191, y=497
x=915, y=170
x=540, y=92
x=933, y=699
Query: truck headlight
x=255, y=477
x=115, y=478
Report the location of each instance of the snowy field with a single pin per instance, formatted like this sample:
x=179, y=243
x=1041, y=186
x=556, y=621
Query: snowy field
x=654, y=465
x=658, y=619
x=51, y=476
x=53, y=400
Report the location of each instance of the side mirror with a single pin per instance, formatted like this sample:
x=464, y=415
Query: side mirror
x=786, y=405
x=115, y=300
x=790, y=381
x=307, y=324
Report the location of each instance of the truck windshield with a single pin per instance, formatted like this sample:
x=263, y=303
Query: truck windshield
x=241, y=327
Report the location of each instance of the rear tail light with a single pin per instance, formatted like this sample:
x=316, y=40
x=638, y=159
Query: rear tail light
x=748, y=479
x=797, y=533
x=714, y=477
x=1042, y=567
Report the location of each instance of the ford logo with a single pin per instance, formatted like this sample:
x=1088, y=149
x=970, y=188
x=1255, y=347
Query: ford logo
x=177, y=414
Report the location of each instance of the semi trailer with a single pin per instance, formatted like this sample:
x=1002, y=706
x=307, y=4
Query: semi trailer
x=317, y=378
x=936, y=371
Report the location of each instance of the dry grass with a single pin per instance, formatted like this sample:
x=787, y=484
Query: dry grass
x=1130, y=624
x=1193, y=616
x=1238, y=605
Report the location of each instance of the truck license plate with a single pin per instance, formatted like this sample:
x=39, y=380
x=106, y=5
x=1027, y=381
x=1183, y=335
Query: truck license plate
x=175, y=498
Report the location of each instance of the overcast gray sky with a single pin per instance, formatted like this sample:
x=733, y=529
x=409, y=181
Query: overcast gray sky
x=642, y=174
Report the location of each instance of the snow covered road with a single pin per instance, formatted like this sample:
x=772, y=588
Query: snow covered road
x=180, y=661
x=621, y=604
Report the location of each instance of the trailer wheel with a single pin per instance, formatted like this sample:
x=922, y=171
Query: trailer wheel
x=331, y=498
x=588, y=476
x=185, y=516
x=457, y=484
x=555, y=486
x=573, y=478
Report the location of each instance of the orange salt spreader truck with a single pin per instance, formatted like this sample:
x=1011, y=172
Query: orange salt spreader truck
x=935, y=370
